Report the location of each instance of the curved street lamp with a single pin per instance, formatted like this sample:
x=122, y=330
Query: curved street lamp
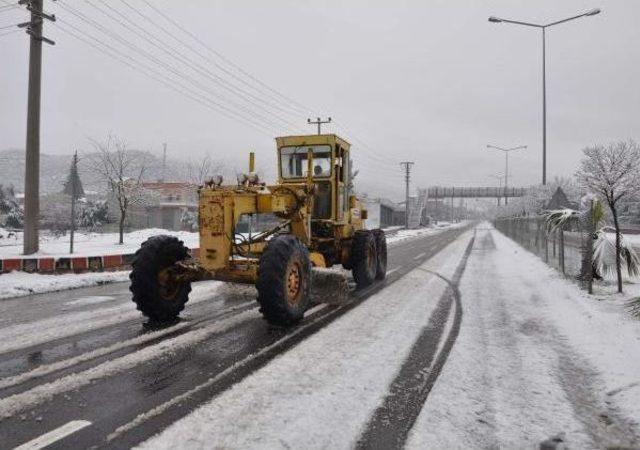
x=543, y=27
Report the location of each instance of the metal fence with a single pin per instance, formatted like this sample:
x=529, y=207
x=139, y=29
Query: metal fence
x=568, y=249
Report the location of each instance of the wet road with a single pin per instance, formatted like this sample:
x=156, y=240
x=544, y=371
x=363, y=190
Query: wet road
x=82, y=362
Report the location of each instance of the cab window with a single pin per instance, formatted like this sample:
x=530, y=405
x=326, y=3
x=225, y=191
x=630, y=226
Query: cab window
x=293, y=161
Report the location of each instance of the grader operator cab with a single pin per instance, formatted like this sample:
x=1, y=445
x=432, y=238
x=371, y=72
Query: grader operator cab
x=320, y=223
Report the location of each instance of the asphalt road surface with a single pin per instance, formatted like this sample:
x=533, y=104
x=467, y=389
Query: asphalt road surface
x=83, y=363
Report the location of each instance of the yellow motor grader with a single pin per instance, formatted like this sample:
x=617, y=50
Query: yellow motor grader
x=316, y=221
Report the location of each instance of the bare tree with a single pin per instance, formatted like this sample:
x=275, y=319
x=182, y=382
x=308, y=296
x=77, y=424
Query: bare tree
x=613, y=173
x=122, y=170
x=201, y=170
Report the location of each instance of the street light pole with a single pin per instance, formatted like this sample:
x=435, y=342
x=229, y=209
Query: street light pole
x=499, y=178
x=544, y=107
x=544, y=27
x=506, y=166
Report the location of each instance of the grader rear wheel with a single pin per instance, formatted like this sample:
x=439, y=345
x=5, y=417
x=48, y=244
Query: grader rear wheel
x=364, y=259
x=381, y=249
x=284, y=281
x=156, y=294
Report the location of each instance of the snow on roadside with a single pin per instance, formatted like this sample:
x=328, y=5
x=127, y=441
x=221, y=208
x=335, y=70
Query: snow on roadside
x=535, y=357
x=403, y=235
x=90, y=244
x=20, y=284
x=22, y=335
x=321, y=393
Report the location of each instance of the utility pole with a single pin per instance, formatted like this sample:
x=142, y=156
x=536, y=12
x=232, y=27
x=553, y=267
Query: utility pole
x=319, y=123
x=499, y=178
x=32, y=148
x=164, y=161
x=406, y=165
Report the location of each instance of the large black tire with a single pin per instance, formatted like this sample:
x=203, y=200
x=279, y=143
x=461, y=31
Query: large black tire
x=159, y=302
x=284, y=281
x=363, y=258
x=381, y=249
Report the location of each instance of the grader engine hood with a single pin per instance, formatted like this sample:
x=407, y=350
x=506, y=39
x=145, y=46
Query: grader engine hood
x=222, y=207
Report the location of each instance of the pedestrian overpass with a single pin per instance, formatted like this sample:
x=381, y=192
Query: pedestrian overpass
x=437, y=192
x=434, y=196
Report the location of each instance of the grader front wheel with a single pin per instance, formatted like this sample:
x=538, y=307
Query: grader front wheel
x=154, y=291
x=284, y=280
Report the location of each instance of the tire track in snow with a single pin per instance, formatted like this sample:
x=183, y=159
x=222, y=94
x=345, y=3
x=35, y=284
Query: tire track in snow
x=390, y=424
x=102, y=380
x=13, y=404
x=115, y=350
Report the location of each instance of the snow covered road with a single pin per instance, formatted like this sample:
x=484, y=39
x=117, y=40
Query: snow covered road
x=471, y=342
x=535, y=359
x=84, y=355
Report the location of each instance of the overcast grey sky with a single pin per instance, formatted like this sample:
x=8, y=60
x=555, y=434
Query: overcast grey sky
x=431, y=81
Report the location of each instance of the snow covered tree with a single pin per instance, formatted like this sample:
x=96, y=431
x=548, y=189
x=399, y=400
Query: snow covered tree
x=122, y=170
x=613, y=173
x=73, y=188
x=200, y=171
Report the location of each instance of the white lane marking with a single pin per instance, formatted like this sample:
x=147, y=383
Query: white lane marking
x=419, y=256
x=54, y=435
x=389, y=272
x=316, y=308
x=90, y=300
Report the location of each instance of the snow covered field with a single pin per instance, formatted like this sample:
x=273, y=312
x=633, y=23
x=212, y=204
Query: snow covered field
x=88, y=244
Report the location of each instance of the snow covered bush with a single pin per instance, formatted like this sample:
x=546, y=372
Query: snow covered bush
x=93, y=215
x=11, y=213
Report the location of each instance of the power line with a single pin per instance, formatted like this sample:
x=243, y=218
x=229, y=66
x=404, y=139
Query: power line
x=303, y=108
x=376, y=154
x=203, y=56
x=116, y=54
x=6, y=33
x=174, y=53
x=166, y=66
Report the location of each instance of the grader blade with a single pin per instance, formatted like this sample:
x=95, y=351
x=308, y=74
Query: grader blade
x=329, y=286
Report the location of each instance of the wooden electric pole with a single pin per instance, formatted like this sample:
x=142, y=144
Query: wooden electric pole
x=32, y=156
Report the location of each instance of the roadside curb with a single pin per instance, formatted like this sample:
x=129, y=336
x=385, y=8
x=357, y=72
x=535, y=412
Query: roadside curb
x=72, y=264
